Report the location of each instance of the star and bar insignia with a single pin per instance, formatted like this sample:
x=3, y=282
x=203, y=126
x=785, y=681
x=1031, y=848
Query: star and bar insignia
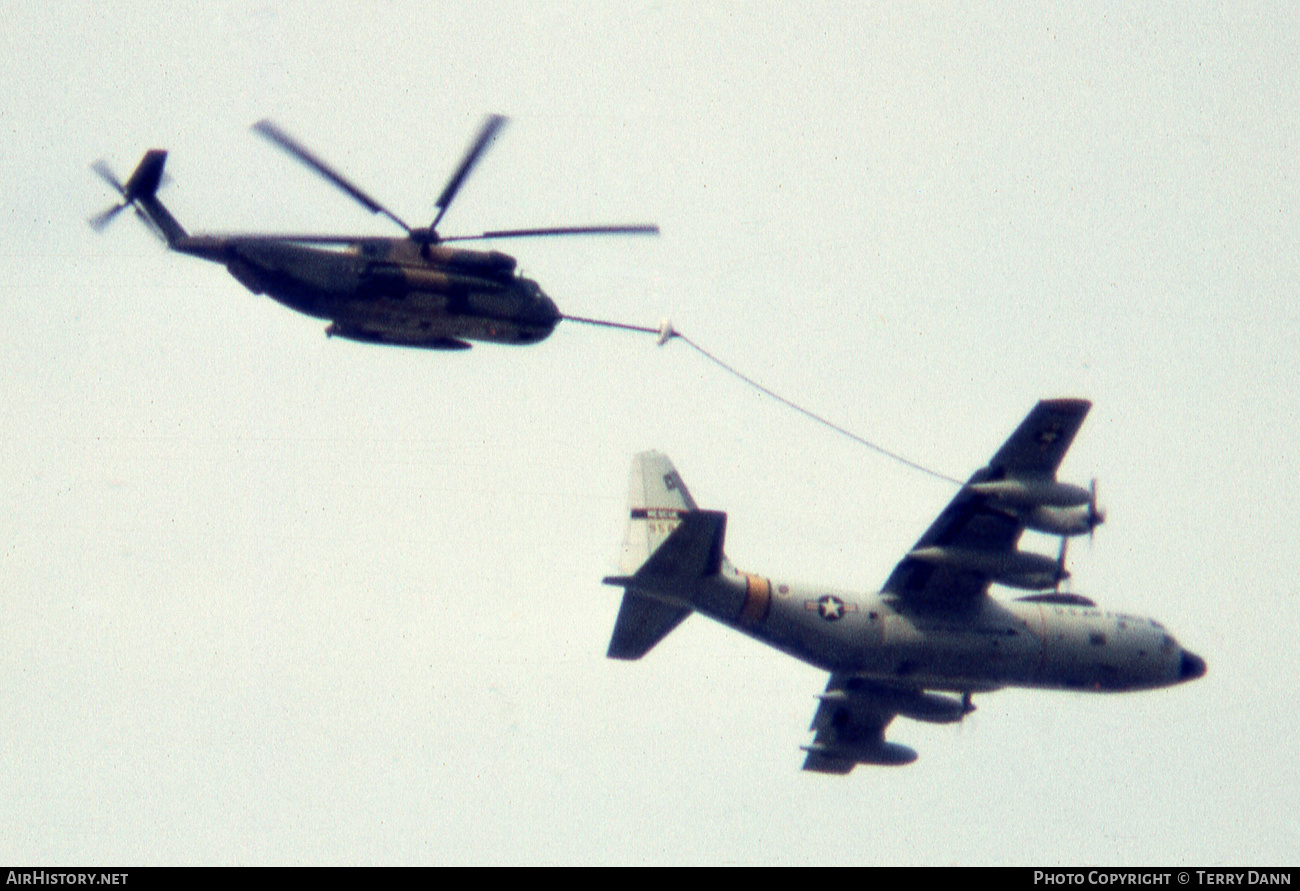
x=830, y=607
x=1050, y=434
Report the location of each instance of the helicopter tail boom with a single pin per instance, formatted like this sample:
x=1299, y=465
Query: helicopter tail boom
x=162, y=219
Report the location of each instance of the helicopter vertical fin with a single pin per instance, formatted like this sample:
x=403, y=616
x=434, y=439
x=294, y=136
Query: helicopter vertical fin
x=141, y=190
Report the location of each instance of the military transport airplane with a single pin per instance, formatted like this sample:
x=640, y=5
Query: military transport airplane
x=933, y=636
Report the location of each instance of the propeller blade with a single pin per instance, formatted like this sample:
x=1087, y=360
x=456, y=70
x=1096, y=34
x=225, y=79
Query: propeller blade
x=1096, y=515
x=99, y=221
x=272, y=131
x=491, y=125
x=106, y=174
x=1061, y=573
x=640, y=229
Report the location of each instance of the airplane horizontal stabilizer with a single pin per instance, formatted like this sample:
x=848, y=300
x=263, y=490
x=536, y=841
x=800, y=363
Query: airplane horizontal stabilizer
x=692, y=552
x=642, y=623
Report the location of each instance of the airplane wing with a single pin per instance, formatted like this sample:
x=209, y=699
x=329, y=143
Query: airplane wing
x=973, y=542
x=850, y=725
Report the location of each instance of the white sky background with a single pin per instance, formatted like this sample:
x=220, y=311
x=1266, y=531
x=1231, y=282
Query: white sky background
x=273, y=598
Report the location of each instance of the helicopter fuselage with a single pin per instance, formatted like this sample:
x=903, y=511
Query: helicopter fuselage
x=389, y=290
x=413, y=291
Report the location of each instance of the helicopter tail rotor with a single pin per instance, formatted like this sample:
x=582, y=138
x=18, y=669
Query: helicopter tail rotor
x=139, y=192
x=142, y=184
x=100, y=220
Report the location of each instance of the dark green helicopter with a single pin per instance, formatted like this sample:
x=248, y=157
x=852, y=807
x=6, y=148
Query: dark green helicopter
x=413, y=291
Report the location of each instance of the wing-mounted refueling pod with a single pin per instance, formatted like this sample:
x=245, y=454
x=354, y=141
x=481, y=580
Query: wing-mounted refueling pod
x=852, y=716
x=919, y=705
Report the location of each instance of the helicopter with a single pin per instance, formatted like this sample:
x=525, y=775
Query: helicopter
x=413, y=291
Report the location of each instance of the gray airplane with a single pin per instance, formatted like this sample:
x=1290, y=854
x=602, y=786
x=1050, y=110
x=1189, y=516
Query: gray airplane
x=933, y=636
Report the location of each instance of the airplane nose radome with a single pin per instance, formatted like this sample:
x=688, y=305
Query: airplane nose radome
x=1191, y=667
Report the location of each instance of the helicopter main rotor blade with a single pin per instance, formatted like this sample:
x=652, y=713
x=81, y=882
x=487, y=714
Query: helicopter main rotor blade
x=491, y=125
x=314, y=238
x=271, y=131
x=306, y=238
x=639, y=229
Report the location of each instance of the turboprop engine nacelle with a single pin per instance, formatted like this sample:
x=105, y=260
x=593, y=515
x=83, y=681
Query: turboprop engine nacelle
x=1018, y=569
x=1062, y=520
x=1024, y=492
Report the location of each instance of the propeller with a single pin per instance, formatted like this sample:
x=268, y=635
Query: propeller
x=1061, y=572
x=101, y=220
x=491, y=126
x=966, y=708
x=644, y=229
x=1096, y=515
x=142, y=184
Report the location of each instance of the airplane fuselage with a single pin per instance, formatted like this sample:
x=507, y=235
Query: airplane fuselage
x=994, y=644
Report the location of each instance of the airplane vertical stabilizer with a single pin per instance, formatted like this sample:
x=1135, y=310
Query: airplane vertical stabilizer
x=657, y=499
x=658, y=504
